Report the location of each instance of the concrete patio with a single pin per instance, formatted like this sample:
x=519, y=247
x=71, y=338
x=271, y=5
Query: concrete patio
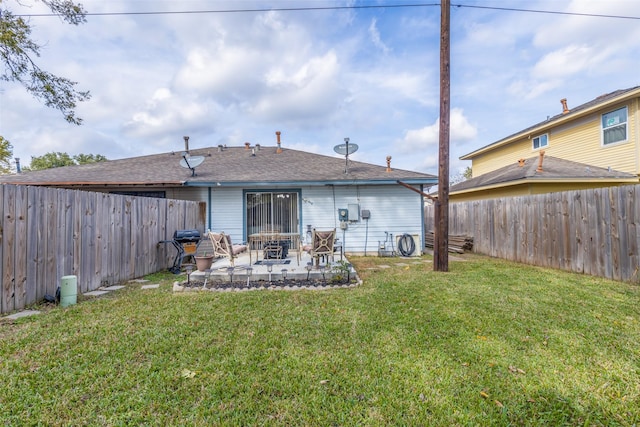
x=301, y=268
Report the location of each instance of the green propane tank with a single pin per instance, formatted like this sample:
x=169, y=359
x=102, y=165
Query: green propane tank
x=68, y=290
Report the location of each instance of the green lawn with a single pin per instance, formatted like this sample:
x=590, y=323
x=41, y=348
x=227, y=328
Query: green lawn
x=488, y=343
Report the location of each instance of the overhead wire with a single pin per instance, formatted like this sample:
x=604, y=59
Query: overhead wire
x=351, y=7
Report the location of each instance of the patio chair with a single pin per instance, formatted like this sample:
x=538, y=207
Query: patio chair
x=322, y=244
x=223, y=247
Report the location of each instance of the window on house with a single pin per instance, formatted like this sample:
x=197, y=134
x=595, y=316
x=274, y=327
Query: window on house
x=614, y=126
x=540, y=141
x=272, y=211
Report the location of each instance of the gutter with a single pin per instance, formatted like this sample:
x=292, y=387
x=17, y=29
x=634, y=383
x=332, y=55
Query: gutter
x=95, y=184
x=545, y=181
x=415, y=181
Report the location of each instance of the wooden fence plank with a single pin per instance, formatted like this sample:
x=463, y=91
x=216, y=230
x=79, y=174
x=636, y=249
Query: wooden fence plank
x=578, y=232
x=50, y=237
x=622, y=243
x=606, y=226
x=31, y=236
x=40, y=249
x=7, y=241
x=20, y=270
x=597, y=254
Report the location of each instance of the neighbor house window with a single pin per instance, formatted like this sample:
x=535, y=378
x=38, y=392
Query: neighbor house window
x=540, y=141
x=614, y=126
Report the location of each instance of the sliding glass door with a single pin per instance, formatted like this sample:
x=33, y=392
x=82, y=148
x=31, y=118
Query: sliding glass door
x=272, y=212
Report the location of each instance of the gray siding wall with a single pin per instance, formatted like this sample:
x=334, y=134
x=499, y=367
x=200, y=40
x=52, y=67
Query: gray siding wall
x=227, y=212
x=394, y=210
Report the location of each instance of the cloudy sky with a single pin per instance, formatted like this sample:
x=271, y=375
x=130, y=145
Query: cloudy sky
x=318, y=76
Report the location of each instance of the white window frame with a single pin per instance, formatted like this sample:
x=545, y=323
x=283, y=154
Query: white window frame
x=624, y=125
x=539, y=137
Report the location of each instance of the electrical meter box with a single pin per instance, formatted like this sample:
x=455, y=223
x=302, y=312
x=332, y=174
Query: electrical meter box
x=354, y=211
x=343, y=214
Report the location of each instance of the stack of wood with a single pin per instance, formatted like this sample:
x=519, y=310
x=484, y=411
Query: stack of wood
x=457, y=243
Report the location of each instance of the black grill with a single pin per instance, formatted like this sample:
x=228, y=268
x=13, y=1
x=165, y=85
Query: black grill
x=185, y=236
x=186, y=244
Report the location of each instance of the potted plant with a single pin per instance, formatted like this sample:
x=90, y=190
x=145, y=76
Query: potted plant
x=203, y=262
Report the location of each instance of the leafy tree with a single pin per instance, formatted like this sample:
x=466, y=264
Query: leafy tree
x=462, y=176
x=6, y=151
x=18, y=51
x=57, y=159
x=83, y=159
x=468, y=173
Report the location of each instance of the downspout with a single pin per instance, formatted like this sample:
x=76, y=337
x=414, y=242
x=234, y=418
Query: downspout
x=209, y=217
x=422, y=218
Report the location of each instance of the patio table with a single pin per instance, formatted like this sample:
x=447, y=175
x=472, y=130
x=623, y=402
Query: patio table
x=258, y=240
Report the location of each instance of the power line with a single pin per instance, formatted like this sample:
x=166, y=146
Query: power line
x=549, y=12
x=276, y=9
x=354, y=7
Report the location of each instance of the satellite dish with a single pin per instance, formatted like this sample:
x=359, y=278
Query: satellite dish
x=346, y=149
x=191, y=162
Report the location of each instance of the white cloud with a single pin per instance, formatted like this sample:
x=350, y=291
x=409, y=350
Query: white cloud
x=427, y=137
x=374, y=33
x=309, y=91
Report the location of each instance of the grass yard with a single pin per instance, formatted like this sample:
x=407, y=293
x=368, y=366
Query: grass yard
x=489, y=343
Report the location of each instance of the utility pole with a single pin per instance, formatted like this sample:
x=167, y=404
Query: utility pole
x=441, y=237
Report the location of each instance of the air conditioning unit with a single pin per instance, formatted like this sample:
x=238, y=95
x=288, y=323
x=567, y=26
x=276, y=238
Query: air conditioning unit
x=409, y=243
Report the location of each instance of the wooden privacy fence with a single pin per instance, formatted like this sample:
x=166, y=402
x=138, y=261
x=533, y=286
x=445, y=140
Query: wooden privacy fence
x=595, y=231
x=103, y=239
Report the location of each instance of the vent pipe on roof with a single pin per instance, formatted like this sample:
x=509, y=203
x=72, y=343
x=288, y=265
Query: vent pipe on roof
x=186, y=143
x=521, y=162
x=257, y=147
x=247, y=145
x=540, y=161
x=388, y=163
x=18, y=170
x=219, y=148
x=279, y=149
x=565, y=109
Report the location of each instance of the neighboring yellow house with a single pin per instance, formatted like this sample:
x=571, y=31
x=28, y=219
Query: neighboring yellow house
x=596, y=144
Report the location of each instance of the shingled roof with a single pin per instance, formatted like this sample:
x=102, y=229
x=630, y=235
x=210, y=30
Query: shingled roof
x=222, y=166
x=553, y=170
x=558, y=118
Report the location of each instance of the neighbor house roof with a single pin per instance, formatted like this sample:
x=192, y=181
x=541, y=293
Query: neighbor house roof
x=553, y=170
x=572, y=114
x=222, y=166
